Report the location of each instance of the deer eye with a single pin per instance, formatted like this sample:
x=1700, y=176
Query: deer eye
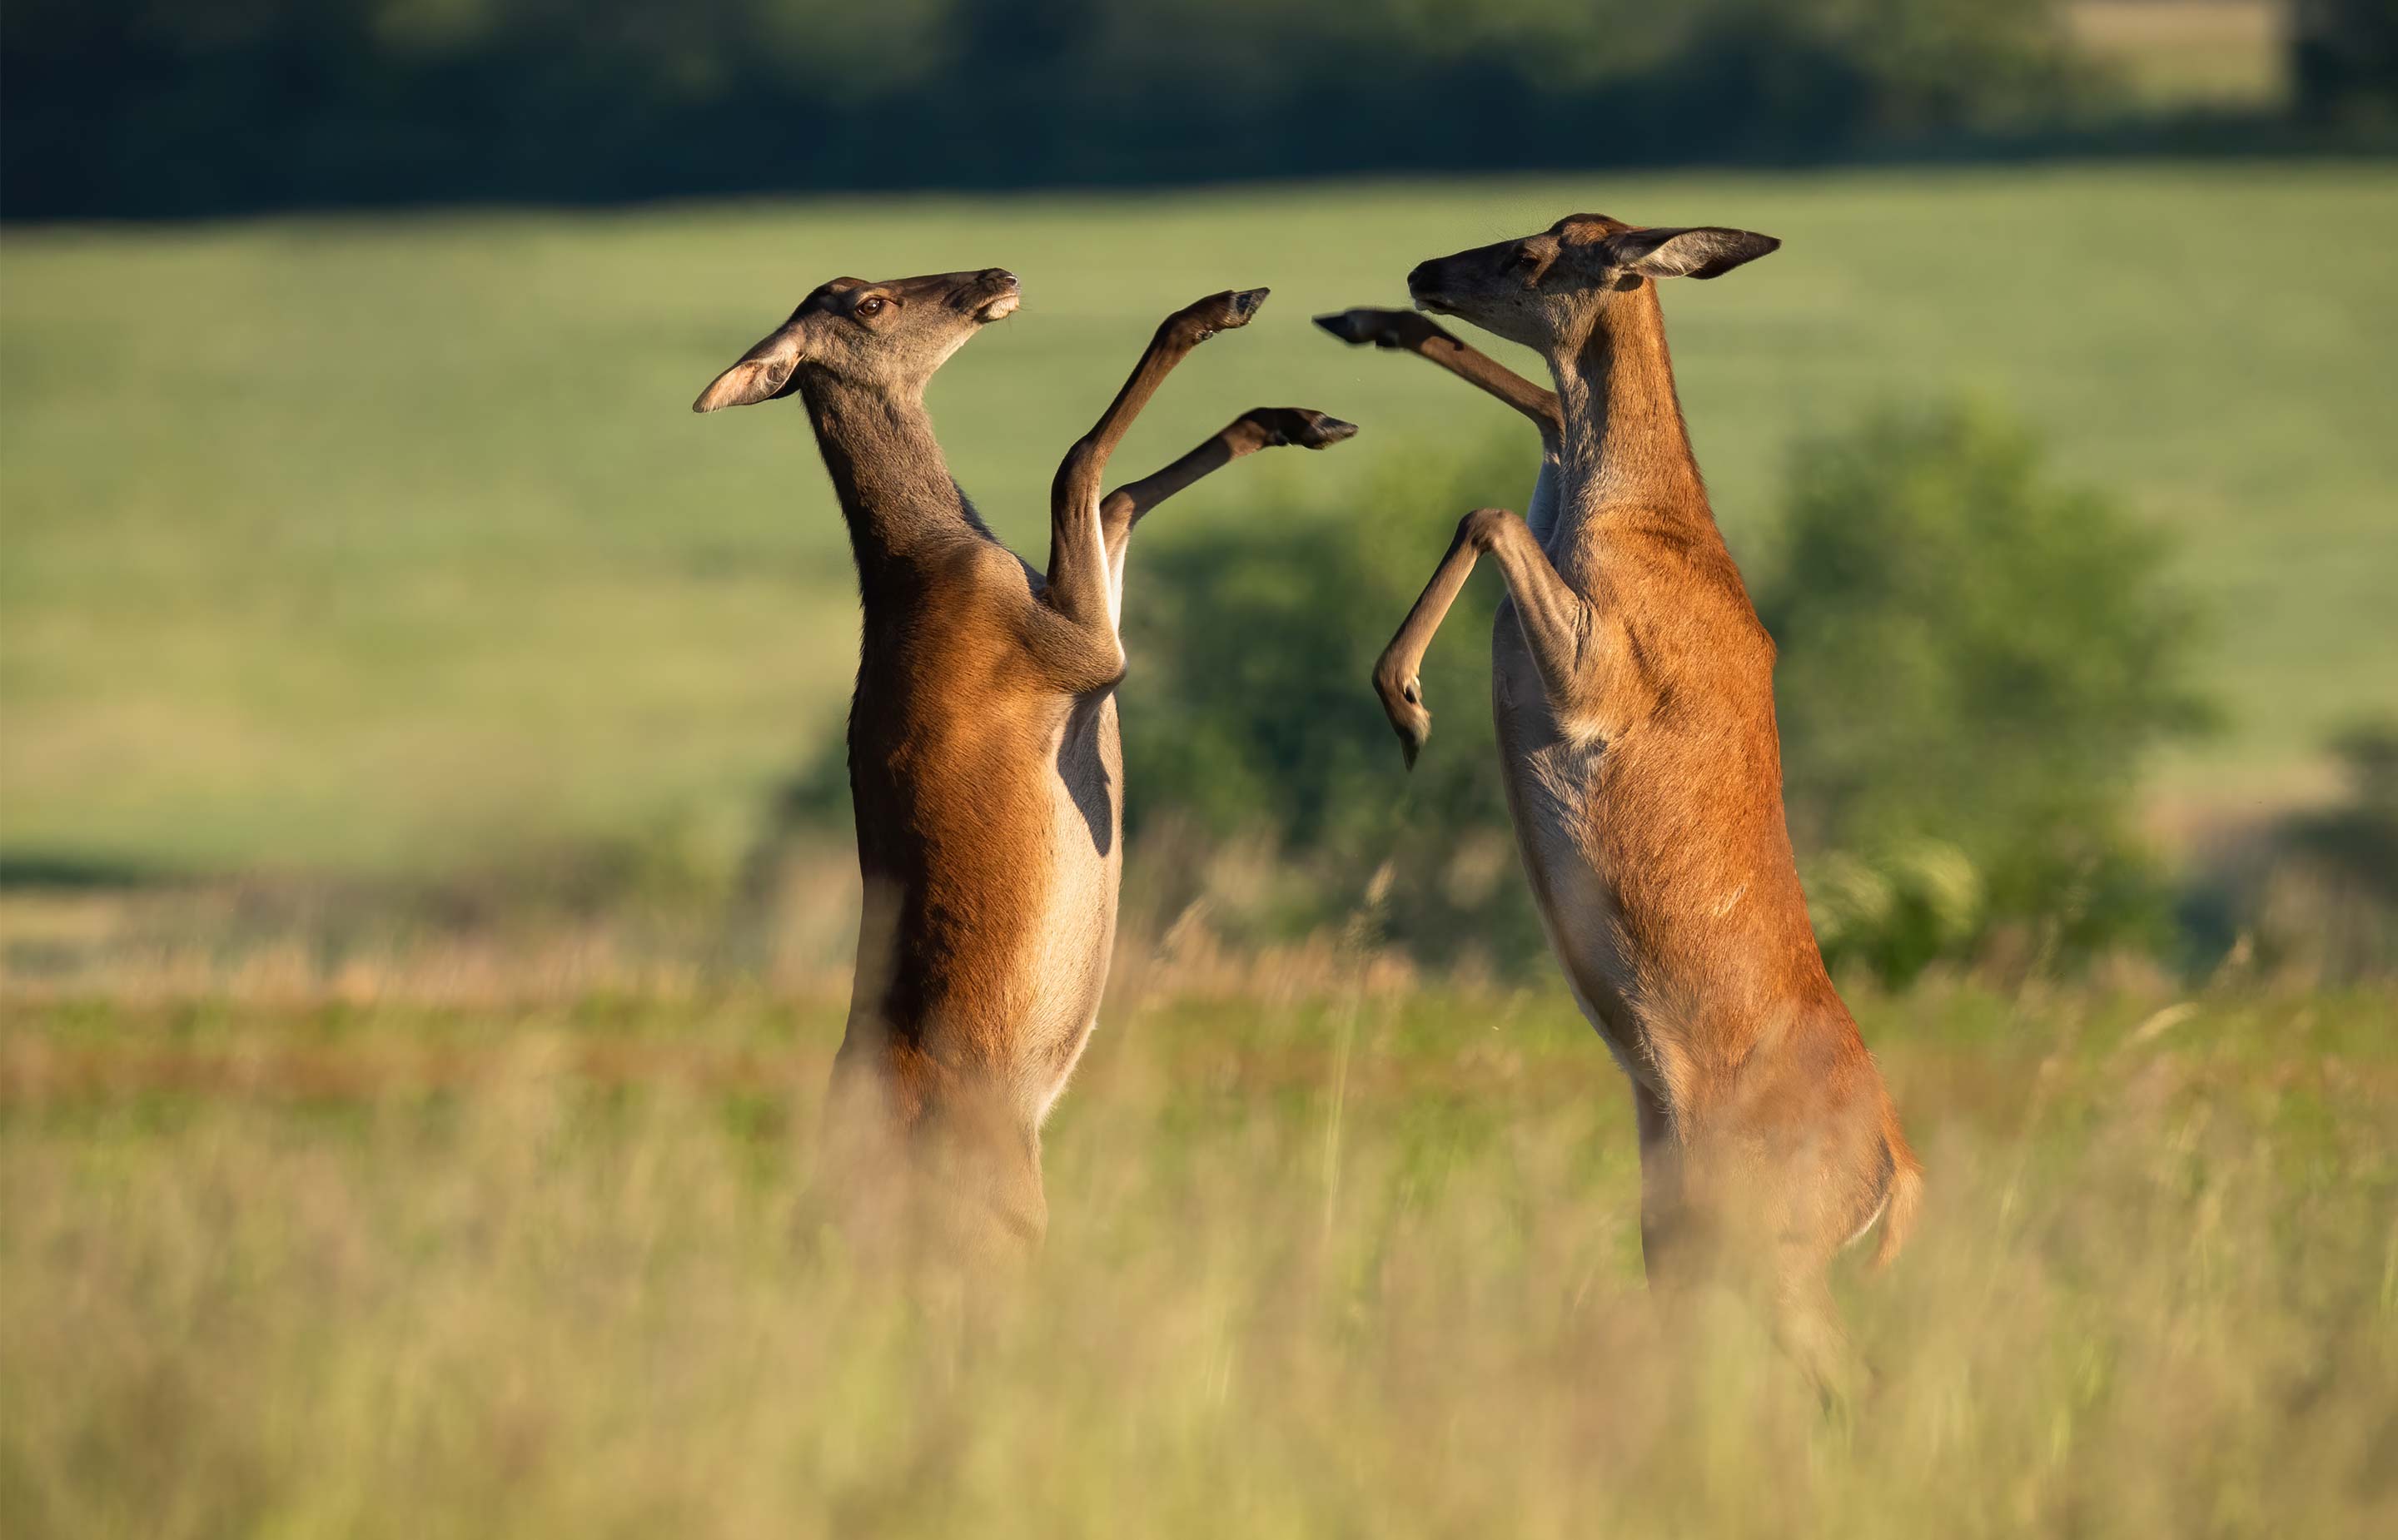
x=872, y=306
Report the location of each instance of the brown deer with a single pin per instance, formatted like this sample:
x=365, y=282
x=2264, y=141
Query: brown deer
x=1633, y=687
x=983, y=750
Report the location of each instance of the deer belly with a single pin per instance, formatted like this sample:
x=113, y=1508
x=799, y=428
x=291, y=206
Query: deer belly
x=1065, y=966
x=1549, y=778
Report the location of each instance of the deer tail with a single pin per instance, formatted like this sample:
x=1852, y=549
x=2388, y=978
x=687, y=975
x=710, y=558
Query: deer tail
x=1905, y=1196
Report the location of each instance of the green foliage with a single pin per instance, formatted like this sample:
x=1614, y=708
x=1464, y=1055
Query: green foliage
x=2361, y=834
x=1976, y=655
x=1250, y=709
x=2324, y=903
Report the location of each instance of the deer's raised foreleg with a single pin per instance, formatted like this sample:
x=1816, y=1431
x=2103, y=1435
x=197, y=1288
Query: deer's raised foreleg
x=1407, y=331
x=1080, y=584
x=1563, y=630
x=1258, y=428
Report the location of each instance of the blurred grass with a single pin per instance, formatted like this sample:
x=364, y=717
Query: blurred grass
x=363, y=1259
x=387, y=543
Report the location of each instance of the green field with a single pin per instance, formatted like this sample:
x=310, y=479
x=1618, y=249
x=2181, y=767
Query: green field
x=387, y=543
x=336, y=550
x=444, y=1248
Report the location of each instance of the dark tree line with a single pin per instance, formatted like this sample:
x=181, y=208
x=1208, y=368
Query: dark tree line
x=166, y=107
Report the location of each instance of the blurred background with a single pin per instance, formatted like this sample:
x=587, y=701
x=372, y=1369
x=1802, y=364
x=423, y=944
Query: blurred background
x=359, y=553
x=426, y=898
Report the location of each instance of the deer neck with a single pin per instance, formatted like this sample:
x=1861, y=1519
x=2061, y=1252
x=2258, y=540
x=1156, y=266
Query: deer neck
x=897, y=494
x=1626, y=453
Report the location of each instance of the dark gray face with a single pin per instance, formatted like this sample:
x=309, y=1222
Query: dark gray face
x=1547, y=290
x=890, y=335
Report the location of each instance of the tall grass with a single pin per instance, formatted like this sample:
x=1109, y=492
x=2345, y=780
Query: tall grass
x=1331, y=1257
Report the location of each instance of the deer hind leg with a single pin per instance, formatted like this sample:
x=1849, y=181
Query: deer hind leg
x=981, y=1205
x=1808, y=1199
x=1725, y=1225
x=1566, y=635
x=931, y=1174
x=1807, y=1328
x=1673, y=1238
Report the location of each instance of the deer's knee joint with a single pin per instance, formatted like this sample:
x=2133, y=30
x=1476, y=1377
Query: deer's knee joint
x=1077, y=482
x=1484, y=528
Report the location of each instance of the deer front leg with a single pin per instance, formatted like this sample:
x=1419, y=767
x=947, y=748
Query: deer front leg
x=1559, y=626
x=1079, y=581
x=1258, y=428
x=1410, y=332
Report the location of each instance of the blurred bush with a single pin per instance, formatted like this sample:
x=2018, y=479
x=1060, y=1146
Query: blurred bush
x=2319, y=903
x=1251, y=714
x=145, y=107
x=1977, y=663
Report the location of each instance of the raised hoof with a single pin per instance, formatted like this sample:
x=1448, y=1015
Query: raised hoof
x=1323, y=432
x=1383, y=328
x=1304, y=426
x=1358, y=327
x=1224, y=312
x=1403, y=703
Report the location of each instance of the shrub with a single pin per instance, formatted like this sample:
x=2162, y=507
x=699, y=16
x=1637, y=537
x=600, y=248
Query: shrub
x=1249, y=713
x=2325, y=905
x=1977, y=659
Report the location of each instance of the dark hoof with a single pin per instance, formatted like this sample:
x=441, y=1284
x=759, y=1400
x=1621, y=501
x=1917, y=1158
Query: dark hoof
x=1218, y=312
x=1301, y=425
x=1323, y=432
x=1403, y=703
x=1383, y=328
x=1356, y=327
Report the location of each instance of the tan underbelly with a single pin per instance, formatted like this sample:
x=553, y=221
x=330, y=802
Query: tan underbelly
x=1064, y=968
x=1550, y=778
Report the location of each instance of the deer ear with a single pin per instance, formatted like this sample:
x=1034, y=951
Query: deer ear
x=766, y=372
x=1706, y=252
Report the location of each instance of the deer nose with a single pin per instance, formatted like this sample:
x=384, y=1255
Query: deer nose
x=1421, y=277
x=999, y=278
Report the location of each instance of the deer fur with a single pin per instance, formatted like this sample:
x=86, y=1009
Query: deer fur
x=1632, y=688
x=983, y=752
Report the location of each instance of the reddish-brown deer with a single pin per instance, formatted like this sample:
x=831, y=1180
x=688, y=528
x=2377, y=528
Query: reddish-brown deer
x=983, y=750
x=1633, y=688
